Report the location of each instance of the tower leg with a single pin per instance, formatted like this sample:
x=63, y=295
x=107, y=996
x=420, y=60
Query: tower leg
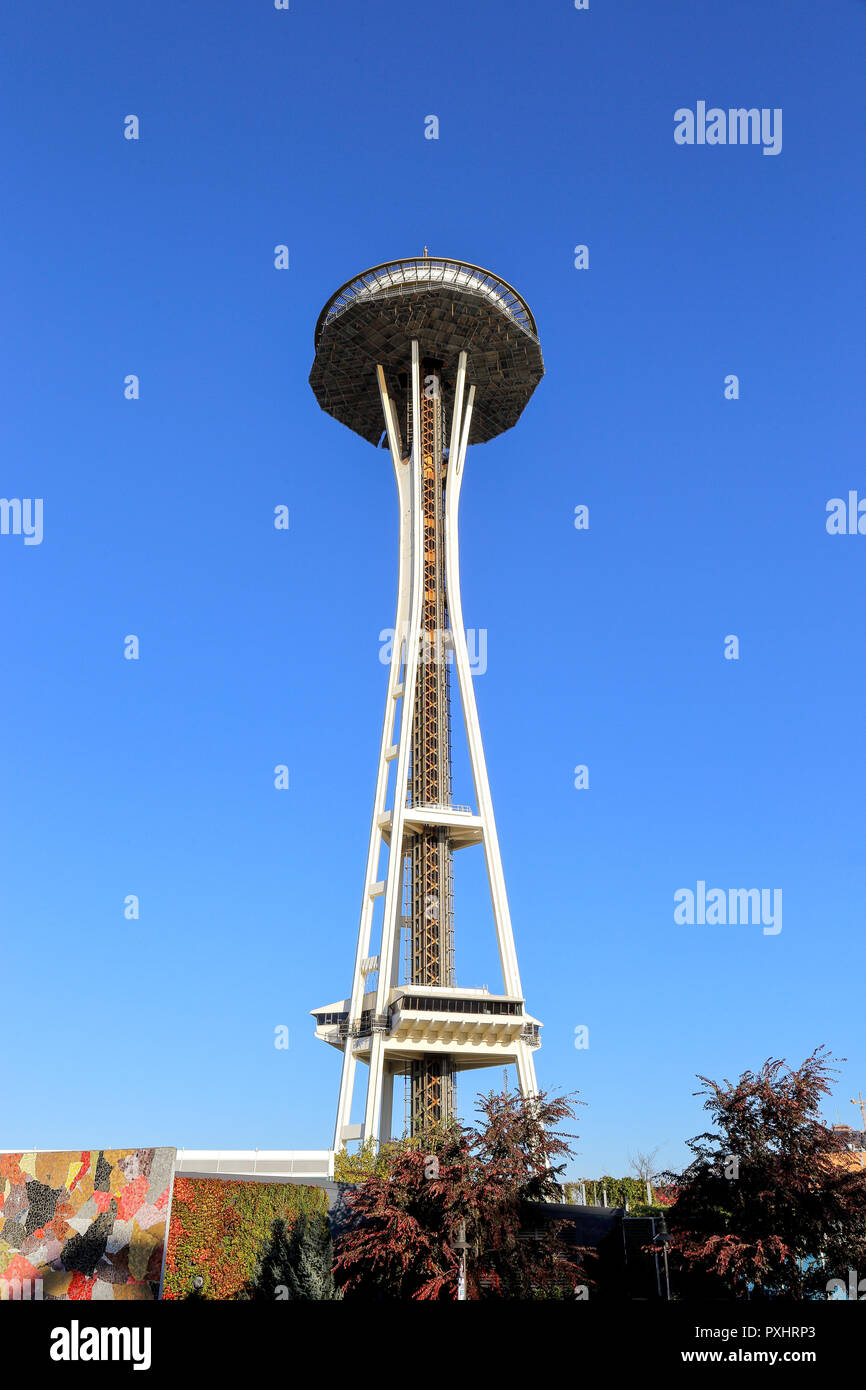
x=385, y=1121
x=401, y=672
x=411, y=643
x=493, y=859
x=372, y=1113
x=526, y=1070
x=344, y=1104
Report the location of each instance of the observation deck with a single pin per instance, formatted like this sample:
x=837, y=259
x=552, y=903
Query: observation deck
x=449, y=306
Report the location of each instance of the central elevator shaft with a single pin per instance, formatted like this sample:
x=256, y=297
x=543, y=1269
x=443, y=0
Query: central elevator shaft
x=428, y=854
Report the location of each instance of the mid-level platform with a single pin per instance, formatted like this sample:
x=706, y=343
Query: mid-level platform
x=474, y=1027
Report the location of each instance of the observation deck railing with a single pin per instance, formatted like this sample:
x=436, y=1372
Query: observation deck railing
x=428, y=270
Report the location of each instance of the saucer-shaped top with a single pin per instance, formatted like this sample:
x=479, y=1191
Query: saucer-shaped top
x=448, y=306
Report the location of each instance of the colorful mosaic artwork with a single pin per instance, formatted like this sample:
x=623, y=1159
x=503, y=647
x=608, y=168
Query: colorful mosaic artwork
x=89, y=1225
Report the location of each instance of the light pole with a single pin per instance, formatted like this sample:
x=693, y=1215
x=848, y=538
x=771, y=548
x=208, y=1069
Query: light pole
x=663, y=1239
x=461, y=1245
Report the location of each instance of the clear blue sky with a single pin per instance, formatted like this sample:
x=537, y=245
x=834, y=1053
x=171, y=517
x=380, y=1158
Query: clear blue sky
x=707, y=518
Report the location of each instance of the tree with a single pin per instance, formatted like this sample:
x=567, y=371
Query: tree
x=643, y=1165
x=296, y=1263
x=763, y=1210
x=370, y=1157
x=517, y=1149
x=399, y=1239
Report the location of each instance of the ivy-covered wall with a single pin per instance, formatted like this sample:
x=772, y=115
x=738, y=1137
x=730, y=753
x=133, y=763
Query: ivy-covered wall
x=620, y=1191
x=218, y=1230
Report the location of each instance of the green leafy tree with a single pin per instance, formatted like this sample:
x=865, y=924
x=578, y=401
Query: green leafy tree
x=370, y=1158
x=766, y=1209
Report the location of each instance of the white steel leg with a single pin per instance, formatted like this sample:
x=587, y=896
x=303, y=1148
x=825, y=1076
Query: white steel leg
x=394, y=881
x=403, y=480
x=495, y=876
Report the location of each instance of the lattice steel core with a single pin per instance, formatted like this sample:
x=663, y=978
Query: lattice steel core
x=430, y=855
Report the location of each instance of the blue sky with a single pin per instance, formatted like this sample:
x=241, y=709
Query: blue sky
x=605, y=647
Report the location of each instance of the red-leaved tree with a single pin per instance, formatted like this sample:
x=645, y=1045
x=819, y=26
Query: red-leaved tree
x=474, y=1185
x=766, y=1208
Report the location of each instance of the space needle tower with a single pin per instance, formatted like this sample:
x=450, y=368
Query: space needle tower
x=425, y=357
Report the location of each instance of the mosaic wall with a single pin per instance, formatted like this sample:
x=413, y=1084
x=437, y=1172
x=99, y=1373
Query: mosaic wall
x=90, y=1225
